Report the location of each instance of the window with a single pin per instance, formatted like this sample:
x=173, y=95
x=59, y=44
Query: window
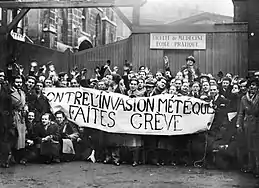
x=98, y=34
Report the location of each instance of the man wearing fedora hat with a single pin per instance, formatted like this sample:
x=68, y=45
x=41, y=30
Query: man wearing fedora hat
x=190, y=61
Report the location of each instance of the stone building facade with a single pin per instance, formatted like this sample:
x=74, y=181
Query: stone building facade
x=78, y=28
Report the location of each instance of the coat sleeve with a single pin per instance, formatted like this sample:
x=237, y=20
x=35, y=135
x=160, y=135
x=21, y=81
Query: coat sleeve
x=56, y=133
x=75, y=131
x=37, y=134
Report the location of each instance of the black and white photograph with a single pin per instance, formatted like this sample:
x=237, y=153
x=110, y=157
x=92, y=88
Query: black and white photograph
x=129, y=93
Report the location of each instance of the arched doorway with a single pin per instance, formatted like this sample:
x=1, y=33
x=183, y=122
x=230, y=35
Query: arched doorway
x=85, y=45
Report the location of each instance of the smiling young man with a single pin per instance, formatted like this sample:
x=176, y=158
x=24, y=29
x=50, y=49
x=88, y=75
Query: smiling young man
x=47, y=136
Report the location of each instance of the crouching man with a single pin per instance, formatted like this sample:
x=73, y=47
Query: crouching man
x=47, y=136
x=69, y=135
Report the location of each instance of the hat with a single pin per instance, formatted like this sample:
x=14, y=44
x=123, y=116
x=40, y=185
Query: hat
x=150, y=82
x=50, y=63
x=253, y=80
x=61, y=74
x=220, y=74
x=227, y=79
x=31, y=77
x=205, y=76
x=190, y=58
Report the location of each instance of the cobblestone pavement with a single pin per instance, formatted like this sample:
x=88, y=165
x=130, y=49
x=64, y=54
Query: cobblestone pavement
x=88, y=175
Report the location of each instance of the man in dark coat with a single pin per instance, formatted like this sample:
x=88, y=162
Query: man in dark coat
x=38, y=103
x=47, y=136
x=31, y=150
x=226, y=88
x=219, y=103
x=69, y=134
x=8, y=133
x=247, y=124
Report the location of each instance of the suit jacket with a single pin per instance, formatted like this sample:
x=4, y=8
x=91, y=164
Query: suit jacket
x=68, y=128
x=52, y=130
x=248, y=111
x=220, y=106
x=226, y=93
x=39, y=105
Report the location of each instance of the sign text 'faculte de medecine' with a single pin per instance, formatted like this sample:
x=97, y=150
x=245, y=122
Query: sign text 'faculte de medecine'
x=177, y=41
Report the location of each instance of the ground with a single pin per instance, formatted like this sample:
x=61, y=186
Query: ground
x=88, y=175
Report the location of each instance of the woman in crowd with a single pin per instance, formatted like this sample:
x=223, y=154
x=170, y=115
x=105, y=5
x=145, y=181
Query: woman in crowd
x=188, y=82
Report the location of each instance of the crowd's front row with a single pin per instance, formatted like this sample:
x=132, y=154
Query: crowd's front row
x=30, y=132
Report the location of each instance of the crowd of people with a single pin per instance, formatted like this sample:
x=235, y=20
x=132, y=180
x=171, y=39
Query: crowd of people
x=31, y=132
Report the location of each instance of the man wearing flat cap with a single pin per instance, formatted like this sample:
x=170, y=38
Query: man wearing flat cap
x=150, y=85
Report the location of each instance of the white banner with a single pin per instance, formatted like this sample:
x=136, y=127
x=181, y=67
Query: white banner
x=177, y=41
x=116, y=113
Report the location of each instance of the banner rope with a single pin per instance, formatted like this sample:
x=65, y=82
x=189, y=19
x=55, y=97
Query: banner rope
x=197, y=164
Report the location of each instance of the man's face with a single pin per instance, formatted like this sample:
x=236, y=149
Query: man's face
x=178, y=84
x=31, y=116
x=158, y=75
x=225, y=84
x=206, y=86
x=185, y=87
x=195, y=88
x=235, y=89
x=140, y=84
x=149, y=76
x=161, y=83
x=48, y=83
x=2, y=75
x=214, y=91
x=179, y=75
x=253, y=88
x=133, y=85
x=229, y=76
x=74, y=83
x=18, y=83
x=39, y=87
x=101, y=85
x=243, y=88
x=30, y=84
x=172, y=90
x=149, y=88
x=189, y=62
x=142, y=74
x=45, y=120
x=59, y=118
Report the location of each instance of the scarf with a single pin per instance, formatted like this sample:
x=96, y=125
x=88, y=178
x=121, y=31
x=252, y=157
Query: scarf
x=254, y=99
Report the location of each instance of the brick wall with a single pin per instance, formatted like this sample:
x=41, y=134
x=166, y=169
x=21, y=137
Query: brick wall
x=49, y=26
